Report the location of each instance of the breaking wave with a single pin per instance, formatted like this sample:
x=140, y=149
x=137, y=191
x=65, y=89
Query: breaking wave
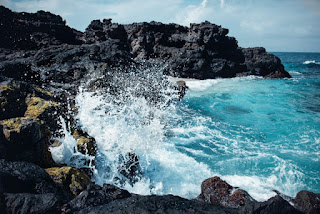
x=254, y=133
x=310, y=62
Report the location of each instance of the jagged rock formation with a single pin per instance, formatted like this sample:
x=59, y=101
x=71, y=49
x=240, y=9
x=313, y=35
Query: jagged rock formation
x=40, y=48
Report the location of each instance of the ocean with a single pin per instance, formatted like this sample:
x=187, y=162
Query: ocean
x=257, y=134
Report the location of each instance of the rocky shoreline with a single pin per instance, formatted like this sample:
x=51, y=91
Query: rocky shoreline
x=42, y=64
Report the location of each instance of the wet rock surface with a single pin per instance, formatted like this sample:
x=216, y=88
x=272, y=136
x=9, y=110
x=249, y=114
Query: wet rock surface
x=217, y=191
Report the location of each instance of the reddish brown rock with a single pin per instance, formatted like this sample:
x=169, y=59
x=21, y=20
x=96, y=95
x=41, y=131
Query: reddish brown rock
x=216, y=191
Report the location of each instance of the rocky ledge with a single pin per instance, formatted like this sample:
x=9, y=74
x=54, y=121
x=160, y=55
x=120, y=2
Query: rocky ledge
x=42, y=64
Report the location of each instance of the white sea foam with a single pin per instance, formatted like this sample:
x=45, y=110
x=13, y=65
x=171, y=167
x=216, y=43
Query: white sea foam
x=67, y=151
x=311, y=62
x=295, y=72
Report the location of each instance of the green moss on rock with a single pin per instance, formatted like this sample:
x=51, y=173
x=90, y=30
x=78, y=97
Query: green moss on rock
x=25, y=139
x=16, y=126
x=37, y=107
x=85, y=144
x=73, y=179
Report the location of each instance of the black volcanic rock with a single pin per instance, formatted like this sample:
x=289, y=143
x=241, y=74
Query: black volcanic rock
x=31, y=203
x=275, y=205
x=202, y=51
x=95, y=195
x=168, y=204
x=24, y=177
x=65, y=56
x=33, y=31
x=261, y=63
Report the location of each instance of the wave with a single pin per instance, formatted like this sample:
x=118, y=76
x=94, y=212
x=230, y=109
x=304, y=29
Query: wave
x=177, y=146
x=309, y=62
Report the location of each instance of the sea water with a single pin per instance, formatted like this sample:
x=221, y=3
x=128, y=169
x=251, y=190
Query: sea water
x=257, y=134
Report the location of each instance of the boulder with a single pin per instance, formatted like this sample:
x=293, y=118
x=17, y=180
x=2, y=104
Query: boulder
x=25, y=139
x=71, y=179
x=307, y=202
x=216, y=191
x=24, y=177
x=25, y=203
x=182, y=88
x=95, y=195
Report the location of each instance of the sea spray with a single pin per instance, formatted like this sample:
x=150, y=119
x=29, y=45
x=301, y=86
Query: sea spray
x=132, y=116
x=257, y=134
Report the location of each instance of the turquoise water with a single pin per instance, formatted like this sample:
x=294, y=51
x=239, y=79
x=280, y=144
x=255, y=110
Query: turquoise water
x=257, y=134
x=257, y=128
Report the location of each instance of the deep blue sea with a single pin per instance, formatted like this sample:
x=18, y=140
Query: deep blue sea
x=257, y=134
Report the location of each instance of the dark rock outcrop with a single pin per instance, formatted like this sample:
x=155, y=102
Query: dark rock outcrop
x=275, y=205
x=156, y=204
x=25, y=139
x=32, y=31
x=95, y=195
x=24, y=177
x=261, y=63
x=28, y=118
x=307, y=202
x=59, y=57
x=26, y=203
x=27, y=188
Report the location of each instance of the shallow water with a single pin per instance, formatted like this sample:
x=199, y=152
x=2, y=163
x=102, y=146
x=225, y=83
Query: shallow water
x=255, y=133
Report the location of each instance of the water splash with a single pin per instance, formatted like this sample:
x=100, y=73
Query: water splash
x=240, y=129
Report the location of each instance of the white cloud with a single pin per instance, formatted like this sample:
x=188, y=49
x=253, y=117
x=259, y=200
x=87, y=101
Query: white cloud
x=192, y=14
x=221, y=3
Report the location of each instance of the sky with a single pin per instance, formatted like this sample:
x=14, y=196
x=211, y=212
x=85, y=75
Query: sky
x=277, y=25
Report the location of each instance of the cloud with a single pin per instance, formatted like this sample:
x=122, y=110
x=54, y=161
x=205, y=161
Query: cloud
x=193, y=14
x=221, y=3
